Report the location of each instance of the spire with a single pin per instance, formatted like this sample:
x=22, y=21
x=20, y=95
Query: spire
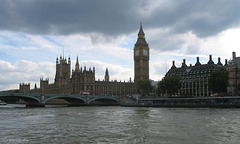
x=141, y=34
x=106, y=73
x=77, y=59
x=77, y=65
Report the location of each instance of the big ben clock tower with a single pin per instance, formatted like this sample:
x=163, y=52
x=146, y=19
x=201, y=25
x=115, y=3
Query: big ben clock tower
x=141, y=57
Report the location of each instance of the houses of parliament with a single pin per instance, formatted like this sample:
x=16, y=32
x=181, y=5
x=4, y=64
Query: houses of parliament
x=82, y=79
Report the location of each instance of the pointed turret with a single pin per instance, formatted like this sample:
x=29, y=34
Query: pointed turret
x=77, y=65
x=106, y=72
x=106, y=75
x=141, y=36
x=69, y=60
x=57, y=60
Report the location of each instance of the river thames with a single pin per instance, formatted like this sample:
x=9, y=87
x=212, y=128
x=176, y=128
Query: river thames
x=73, y=125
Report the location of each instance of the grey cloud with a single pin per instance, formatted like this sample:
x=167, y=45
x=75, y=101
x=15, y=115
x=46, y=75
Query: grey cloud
x=68, y=17
x=204, y=18
x=111, y=18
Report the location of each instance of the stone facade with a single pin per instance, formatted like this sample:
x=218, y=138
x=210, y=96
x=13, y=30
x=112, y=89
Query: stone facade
x=234, y=73
x=194, y=79
x=141, y=57
x=81, y=79
x=24, y=88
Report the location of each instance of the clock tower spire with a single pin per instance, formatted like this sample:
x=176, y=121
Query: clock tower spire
x=141, y=57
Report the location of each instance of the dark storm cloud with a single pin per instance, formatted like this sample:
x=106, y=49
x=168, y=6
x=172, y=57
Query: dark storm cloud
x=115, y=17
x=69, y=16
x=202, y=17
x=112, y=17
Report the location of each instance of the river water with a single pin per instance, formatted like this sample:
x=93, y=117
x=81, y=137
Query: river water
x=73, y=125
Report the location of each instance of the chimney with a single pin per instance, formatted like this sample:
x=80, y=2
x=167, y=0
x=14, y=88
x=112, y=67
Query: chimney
x=219, y=61
x=233, y=55
x=173, y=64
x=184, y=63
x=210, y=60
x=226, y=63
x=197, y=63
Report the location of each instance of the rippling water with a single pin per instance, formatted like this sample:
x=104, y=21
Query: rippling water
x=118, y=125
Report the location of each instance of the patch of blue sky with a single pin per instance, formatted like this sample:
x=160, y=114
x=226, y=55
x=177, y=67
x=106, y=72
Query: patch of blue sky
x=129, y=42
x=3, y=56
x=52, y=40
x=23, y=35
x=14, y=39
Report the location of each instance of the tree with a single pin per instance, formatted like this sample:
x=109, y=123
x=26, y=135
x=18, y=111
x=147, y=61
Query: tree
x=144, y=87
x=218, y=81
x=169, y=85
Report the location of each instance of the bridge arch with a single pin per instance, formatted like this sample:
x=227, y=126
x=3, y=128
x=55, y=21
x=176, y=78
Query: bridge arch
x=103, y=100
x=27, y=97
x=73, y=100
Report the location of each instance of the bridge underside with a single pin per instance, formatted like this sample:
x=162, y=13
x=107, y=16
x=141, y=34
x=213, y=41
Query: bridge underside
x=66, y=101
x=104, y=102
x=21, y=100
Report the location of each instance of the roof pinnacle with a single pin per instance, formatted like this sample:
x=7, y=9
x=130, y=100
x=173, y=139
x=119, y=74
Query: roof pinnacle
x=141, y=33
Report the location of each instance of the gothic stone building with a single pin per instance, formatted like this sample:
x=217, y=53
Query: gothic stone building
x=81, y=79
x=194, y=79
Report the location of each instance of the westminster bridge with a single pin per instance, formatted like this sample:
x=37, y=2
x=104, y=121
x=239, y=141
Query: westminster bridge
x=40, y=100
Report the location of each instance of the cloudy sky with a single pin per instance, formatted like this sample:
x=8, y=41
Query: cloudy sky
x=33, y=33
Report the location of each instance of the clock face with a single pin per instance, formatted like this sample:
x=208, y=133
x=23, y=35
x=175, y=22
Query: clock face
x=145, y=52
x=136, y=52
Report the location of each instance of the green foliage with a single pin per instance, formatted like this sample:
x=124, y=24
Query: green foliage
x=144, y=87
x=218, y=81
x=169, y=85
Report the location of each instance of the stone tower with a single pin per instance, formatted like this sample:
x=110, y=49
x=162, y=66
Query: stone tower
x=63, y=71
x=141, y=57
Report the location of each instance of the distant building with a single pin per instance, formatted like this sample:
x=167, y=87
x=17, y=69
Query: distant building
x=194, y=79
x=24, y=88
x=234, y=73
x=81, y=79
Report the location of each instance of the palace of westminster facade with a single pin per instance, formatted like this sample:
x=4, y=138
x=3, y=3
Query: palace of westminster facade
x=82, y=79
x=194, y=78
